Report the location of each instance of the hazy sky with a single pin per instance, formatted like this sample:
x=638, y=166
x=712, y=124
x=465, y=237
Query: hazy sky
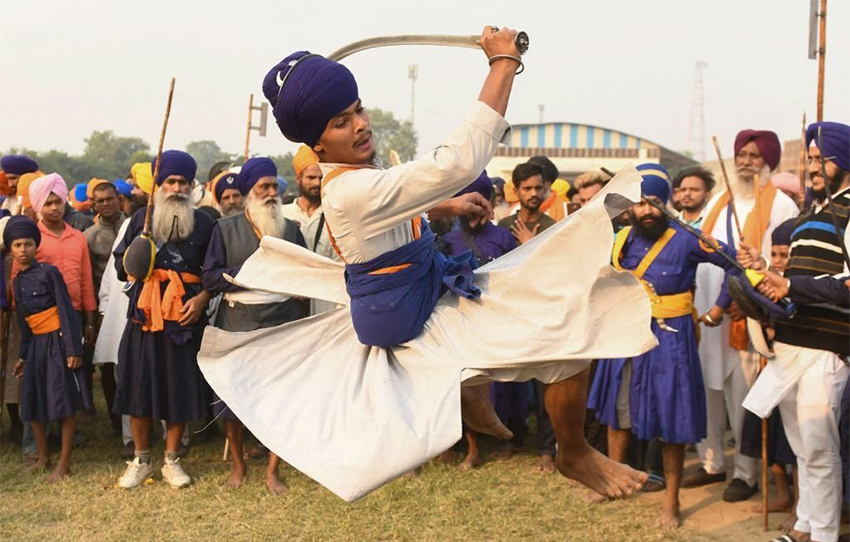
x=71, y=67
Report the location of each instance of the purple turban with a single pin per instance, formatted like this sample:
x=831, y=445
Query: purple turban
x=20, y=227
x=18, y=164
x=767, y=143
x=483, y=185
x=175, y=163
x=252, y=171
x=41, y=188
x=656, y=181
x=306, y=91
x=225, y=182
x=782, y=233
x=836, y=142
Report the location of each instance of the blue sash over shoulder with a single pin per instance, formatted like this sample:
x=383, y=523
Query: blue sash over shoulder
x=392, y=296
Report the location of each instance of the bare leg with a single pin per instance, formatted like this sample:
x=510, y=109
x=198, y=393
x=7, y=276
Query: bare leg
x=141, y=429
x=788, y=525
x=674, y=458
x=566, y=402
x=473, y=458
x=235, y=434
x=43, y=461
x=783, y=501
x=273, y=482
x=173, y=435
x=478, y=413
x=63, y=468
x=618, y=444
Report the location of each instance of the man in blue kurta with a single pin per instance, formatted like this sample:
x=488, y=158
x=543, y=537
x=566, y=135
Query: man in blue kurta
x=158, y=374
x=660, y=393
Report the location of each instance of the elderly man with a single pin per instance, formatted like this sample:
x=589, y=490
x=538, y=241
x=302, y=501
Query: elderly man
x=158, y=376
x=233, y=240
x=729, y=361
x=227, y=195
x=810, y=372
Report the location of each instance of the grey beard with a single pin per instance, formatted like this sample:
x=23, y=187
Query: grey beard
x=173, y=217
x=268, y=219
x=746, y=187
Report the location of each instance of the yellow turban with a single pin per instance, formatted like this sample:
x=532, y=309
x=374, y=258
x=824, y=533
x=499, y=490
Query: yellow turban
x=94, y=183
x=23, y=187
x=143, y=176
x=561, y=187
x=303, y=158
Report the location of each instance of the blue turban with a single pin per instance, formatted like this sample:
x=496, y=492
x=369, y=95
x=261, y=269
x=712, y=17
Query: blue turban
x=836, y=142
x=782, y=234
x=656, y=181
x=483, y=185
x=20, y=227
x=175, y=163
x=18, y=164
x=306, y=96
x=281, y=185
x=123, y=187
x=226, y=182
x=253, y=170
x=80, y=192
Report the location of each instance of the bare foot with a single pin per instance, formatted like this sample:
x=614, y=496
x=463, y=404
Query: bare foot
x=478, y=412
x=36, y=467
x=788, y=525
x=546, y=464
x=783, y=505
x=470, y=462
x=236, y=478
x=599, y=473
x=800, y=536
x=60, y=472
x=275, y=485
x=670, y=519
x=504, y=452
x=595, y=498
x=449, y=456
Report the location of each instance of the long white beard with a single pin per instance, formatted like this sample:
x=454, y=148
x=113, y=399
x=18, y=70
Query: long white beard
x=745, y=188
x=267, y=218
x=173, y=216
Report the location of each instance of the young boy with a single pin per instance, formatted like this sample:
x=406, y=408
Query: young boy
x=51, y=350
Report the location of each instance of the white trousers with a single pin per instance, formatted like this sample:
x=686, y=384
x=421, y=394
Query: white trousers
x=710, y=449
x=810, y=415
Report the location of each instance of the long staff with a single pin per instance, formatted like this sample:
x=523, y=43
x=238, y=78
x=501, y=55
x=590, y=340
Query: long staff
x=763, y=364
x=801, y=166
x=729, y=189
x=149, y=210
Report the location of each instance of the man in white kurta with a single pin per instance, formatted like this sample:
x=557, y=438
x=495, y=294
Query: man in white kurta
x=354, y=416
x=729, y=371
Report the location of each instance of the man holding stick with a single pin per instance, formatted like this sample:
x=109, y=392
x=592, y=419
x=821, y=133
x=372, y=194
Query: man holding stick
x=729, y=361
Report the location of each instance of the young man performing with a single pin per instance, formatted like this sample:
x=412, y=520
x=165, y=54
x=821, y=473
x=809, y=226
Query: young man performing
x=386, y=371
x=660, y=393
x=233, y=240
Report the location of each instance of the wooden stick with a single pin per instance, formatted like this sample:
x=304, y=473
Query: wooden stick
x=729, y=189
x=149, y=210
x=226, y=449
x=821, y=58
x=801, y=167
x=764, y=466
x=250, y=119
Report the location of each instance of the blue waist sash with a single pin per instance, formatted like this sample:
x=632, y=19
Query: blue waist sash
x=392, y=296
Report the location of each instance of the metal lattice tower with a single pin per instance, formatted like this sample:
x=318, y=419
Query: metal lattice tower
x=412, y=74
x=696, y=131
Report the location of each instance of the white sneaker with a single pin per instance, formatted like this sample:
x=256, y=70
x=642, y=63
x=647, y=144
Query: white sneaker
x=174, y=475
x=136, y=473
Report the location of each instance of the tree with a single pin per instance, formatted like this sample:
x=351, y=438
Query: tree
x=108, y=156
x=206, y=153
x=284, y=166
x=388, y=133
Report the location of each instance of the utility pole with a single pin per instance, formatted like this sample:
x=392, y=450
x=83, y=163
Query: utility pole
x=696, y=131
x=264, y=115
x=412, y=74
x=541, y=107
x=817, y=32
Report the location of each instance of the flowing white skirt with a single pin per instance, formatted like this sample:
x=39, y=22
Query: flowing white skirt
x=354, y=417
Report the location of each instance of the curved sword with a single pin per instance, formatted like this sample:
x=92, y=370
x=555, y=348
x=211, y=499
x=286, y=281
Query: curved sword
x=470, y=42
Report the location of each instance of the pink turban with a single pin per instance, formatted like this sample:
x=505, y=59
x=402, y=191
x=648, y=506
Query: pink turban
x=787, y=181
x=41, y=188
x=767, y=143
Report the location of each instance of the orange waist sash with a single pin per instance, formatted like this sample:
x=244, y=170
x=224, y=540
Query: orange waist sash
x=44, y=322
x=159, y=306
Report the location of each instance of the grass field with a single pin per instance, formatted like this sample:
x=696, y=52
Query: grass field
x=501, y=500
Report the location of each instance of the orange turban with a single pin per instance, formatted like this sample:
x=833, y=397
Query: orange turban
x=94, y=183
x=303, y=158
x=23, y=188
x=5, y=189
x=510, y=193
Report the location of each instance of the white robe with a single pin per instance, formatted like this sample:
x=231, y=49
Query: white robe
x=113, y=305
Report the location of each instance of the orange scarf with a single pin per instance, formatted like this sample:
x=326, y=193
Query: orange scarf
x=159, y=307
x=755, y=226
x=553, y=206
x=45, y=321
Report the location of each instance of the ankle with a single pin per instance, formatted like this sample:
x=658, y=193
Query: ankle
x=171, y=456
x=144, y=456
